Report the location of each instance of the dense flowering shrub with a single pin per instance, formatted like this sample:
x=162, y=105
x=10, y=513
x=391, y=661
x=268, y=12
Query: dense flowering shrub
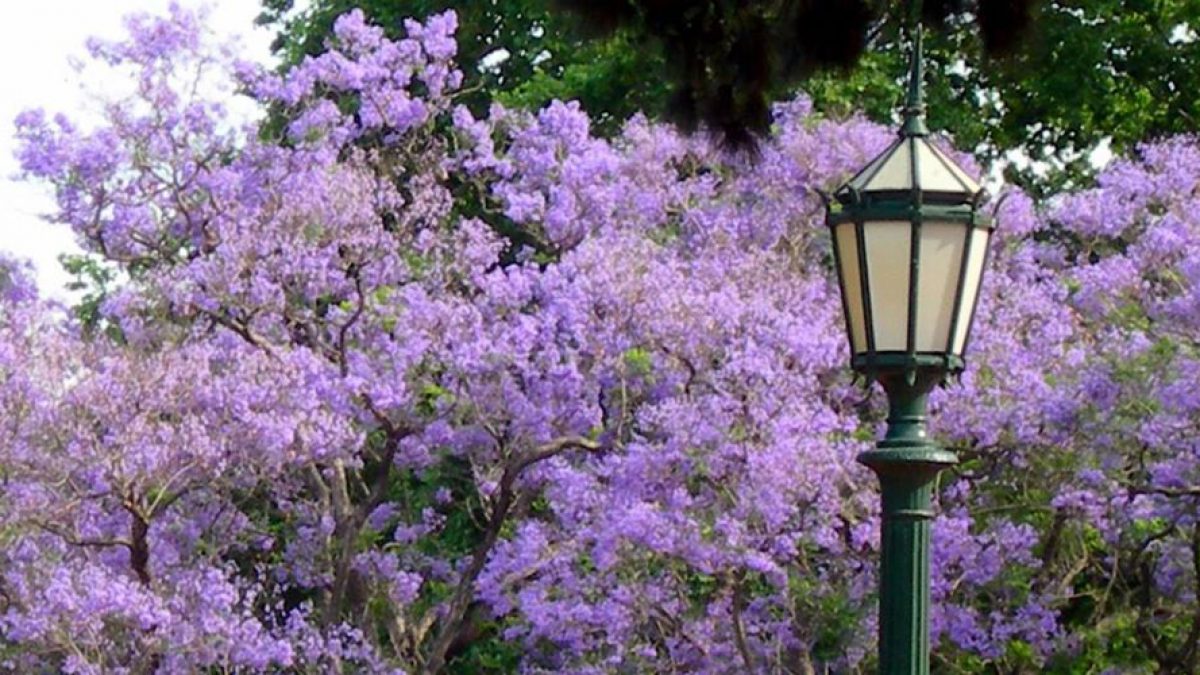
x=387, y=387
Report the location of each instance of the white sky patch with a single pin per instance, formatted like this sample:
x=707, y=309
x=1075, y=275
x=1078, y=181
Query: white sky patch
x=493, y=59
x=1099, y=156
x=37, y=42
x=1102, y=154
x=1182, y=34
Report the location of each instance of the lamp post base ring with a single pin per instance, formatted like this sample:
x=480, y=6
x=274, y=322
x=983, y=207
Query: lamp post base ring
x=911, y=514
x=886, y=455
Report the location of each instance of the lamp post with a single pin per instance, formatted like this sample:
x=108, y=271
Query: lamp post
x=910, y=247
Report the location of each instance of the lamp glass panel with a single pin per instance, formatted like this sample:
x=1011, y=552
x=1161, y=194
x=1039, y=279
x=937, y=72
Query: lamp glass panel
x=859, y=180
x=935, y=174
x=846, y=240
x=937, y=283
x=979, y=243
x=896, y=171
x=967, y=183
x=888, y=245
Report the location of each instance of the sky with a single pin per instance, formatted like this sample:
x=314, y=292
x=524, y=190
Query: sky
x=37, y=41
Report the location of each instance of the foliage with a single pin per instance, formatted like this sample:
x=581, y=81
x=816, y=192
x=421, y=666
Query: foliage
x=602, y=425
x=524, y=53
x=1086, y=73
x=1090, y=71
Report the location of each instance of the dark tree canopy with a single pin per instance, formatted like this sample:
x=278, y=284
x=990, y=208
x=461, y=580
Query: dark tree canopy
x=528, y=52
x=727, y=59
x=1050, y=79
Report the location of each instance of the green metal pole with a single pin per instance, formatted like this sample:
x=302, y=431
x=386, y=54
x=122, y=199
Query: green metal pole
x=907, y=464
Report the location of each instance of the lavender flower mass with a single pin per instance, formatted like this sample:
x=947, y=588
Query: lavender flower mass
x=380, y=385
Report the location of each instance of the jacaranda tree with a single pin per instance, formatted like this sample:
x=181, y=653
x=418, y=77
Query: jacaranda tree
x=399, y=389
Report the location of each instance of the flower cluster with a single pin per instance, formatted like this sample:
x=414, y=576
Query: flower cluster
x=388, y=385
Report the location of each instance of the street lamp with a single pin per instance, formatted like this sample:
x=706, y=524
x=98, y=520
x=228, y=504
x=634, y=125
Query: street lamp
x=910, y=247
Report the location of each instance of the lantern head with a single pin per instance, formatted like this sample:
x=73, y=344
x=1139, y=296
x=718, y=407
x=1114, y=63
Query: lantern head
x=910, y=247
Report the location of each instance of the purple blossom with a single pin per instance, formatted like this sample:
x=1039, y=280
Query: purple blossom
x=317, y=372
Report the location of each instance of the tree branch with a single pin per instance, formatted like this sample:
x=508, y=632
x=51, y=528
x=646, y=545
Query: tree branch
x=737, y=605
x=506, y=494
x=93, y=542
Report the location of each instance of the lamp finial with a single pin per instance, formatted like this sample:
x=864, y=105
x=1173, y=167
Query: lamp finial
x=914, y=104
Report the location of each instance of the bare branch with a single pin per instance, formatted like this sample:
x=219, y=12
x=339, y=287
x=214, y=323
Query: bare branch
x=1192, y=491
x=551, y=449
x=465, y=591
x=73, y=540
x=345, y=328
x=738, y=604
x=241, y=329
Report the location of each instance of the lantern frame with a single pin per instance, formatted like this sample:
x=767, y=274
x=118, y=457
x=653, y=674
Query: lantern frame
x=895, y=189
x=911, y=209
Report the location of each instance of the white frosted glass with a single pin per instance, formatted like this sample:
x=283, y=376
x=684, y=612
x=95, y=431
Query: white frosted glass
x=936, y=176
x=937, y=283
x=896, y=173
x=869, y=170
x=979, y=242
x=846, y=240
x=888, y=245
x=966, y=182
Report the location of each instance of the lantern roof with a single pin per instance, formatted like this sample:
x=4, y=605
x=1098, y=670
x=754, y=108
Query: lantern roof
x=913, y=164
x=912, y=167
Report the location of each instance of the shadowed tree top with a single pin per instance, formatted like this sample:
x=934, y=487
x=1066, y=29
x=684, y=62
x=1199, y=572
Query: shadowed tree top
x=718, y=62
x=726, y=58
x=1082, y=72
x=522, y=53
